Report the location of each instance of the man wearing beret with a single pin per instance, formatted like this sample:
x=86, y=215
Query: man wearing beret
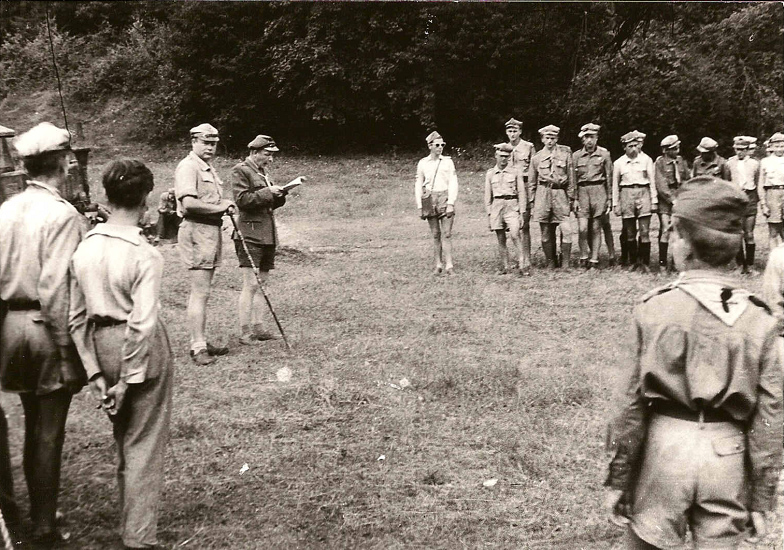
x=256, y=197
x=670, y=172
x=771, y=188
x=709, y=162
x=635, y=197
x=39, y=231
x=744, y=172
x=593, y=172
x=522, y=152
x=200, y=203
x=506, y=199
x=553, y=184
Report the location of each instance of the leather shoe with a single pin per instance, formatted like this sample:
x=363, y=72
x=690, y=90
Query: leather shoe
x=216, y=350
x=201, y=357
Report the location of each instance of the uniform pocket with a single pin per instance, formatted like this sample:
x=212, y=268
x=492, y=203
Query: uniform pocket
x=729, y=445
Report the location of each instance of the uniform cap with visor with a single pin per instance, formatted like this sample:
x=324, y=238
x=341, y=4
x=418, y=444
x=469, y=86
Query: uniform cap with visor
x=549, y=130
x=42, y=138
x=504, y=148
x=589, y=129
x=205, y=132
x=265, y=143
x=707, y=145
x=670, y=141
x=778, y=137
x=634, y=135
x=740, y=142
x=513, y=123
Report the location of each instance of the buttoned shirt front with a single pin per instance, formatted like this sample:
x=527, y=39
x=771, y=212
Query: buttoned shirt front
x=593, y=167
x=716, y=167
x=692, y=354
x=521, y=156
x=744, y=173
x=669, y=174
x=636, y=171
x=39, y=231
x=771, y=171
x=554, y=168
x=436, y=175
x=505, y=183
x=116, y=274
x=196, y=178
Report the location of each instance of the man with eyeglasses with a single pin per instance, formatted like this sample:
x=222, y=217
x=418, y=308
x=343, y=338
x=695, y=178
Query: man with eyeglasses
x=435, y=192
x=522, y=153
x=200, y=203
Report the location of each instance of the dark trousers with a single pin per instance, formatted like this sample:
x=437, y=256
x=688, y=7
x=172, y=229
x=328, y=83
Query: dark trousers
x=7, y=501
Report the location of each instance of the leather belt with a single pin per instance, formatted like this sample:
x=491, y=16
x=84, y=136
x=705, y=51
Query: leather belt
x=23, y=305
x=775, y=187
x=590, y=183
x=681, y=412
x=206, y=220
x=103, y=322
x=506, y=197
x=634, y=185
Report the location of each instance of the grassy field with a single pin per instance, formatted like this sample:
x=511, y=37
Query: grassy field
x=408, y=393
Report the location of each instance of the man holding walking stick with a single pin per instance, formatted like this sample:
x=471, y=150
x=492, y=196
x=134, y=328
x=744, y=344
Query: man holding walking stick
x=255, y=237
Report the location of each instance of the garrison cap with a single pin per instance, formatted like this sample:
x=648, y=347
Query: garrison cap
x=550, y=130
x=42, y=138
x=206, y=132
x=740, y=142
x=706, y=145
x=264, y=142
x=513, y=123
x=778, y=137
x=589, y=129
x=504, y=148
x=713, y=203
x=634, y=135
x=670, y=141
x=432, y=136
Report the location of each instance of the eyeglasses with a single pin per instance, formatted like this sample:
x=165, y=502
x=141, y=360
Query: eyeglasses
x=439, y=144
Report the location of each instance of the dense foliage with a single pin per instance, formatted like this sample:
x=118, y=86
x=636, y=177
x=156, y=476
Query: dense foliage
x=374, y=75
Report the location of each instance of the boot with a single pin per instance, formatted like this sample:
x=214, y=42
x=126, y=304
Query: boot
x=566, y=255
x=624, y=252
x=751, y=248
x=663, y=248
x=740, y=258
x=644, y=257
x=549, y=254
x=631, y=252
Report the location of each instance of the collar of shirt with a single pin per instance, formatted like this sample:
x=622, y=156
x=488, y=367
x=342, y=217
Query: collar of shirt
x=53, y=190
x=707, y=288
x=127, y=233
x=497, y=170
x=200, y=161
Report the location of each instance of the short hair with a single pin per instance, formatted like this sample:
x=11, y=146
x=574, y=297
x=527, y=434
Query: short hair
x=45, y=164
x=715, y=248
x=127, y=182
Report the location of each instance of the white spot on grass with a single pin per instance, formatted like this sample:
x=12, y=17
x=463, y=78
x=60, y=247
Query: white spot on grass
x=283, y=374
x=404, y=383
x=490, y=482
x=382, y=458
x=244, y=468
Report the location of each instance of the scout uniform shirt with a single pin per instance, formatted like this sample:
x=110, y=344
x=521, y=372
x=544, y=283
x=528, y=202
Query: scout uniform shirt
x=250, y=184
x=445, y=178
x=636, y=171
x=717, y=167
x=554, y=169
x=593, y=167
x=195, y=178
x=772, y=171
x=669, y=174
x=39, y=231
x=744, y=173
x=521, y=156
x=703, y=344
x=506, y=184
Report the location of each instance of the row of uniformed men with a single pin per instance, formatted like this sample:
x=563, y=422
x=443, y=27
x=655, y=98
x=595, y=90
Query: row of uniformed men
x=551, y=184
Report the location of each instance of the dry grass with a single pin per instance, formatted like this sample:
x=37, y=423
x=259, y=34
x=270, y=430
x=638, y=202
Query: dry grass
x=510, y=379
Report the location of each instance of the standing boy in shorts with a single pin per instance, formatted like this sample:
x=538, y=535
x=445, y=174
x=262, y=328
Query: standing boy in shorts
x=744, y=171
x=593, y=171
x=771, y=188
x=698, y=444
x=670, y=172
x=506, y=200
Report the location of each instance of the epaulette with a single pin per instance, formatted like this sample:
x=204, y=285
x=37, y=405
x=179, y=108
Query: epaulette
x=760, y=303
x=657, y=291
x=564, y=148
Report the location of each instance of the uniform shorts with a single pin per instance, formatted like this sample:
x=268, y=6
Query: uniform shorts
x=692, y=476
x=635, y=202
x=775, y=200
x=551, y=205
x=592, y=200
x=438, y=205
x=505, y=214
x=263, y=255
x=751, y=209
x=200, y=245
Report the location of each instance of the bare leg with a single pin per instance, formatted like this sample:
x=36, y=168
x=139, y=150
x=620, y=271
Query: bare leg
x=503, y=253
x=435, y=232
x=596, y=239
x=201, y=279
x=446, y=240
x=774, y=231
x=583, y=225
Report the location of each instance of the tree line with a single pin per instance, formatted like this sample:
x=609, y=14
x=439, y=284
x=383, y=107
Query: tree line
x=369, y=76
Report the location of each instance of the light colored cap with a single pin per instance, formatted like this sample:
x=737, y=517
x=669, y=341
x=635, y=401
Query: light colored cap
x=432, y=136
x=42, y=138
x=752, y=141
x=264, y=142
x=778, y=137
x=503, y=148
x=513, y=123
x=550, y=130
x=634, y=135
x=206, y=132
x=589, y=129
x=740, y=142
x=707, y=144
x=713, y=203
x=670, y=141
